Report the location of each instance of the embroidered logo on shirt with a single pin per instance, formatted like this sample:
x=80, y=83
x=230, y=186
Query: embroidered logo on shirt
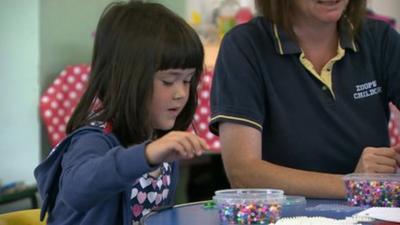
x=367, y=89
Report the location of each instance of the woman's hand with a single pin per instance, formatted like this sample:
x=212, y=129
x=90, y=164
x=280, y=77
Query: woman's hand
x=379, y=160
x=173, y=146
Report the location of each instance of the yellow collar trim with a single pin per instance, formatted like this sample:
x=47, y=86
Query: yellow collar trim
x=237, y=119
x=326, y=73
x=278, y=39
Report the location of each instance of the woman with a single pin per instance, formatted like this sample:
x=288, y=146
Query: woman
x=314, y=93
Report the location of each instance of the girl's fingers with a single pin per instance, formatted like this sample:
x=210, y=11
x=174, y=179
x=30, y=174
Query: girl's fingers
x=201, y=146
x=185, y=142
x=204, y=145
x=192, y=143
x=182, y=149
x=185, y=145
x=197, y=144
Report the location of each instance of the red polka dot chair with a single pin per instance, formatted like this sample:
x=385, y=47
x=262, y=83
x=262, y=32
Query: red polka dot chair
x=60, y=98
x=202, y=115
x=394, y=126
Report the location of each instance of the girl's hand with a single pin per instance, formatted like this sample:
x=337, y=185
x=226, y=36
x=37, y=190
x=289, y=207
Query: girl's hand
x=378, y=160
x=173, y=146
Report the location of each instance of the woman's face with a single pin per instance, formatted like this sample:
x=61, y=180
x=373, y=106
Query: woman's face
x=319, y=11
x=171, y=89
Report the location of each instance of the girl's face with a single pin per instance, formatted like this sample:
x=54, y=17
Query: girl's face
x=320, y=11
x=170, y=94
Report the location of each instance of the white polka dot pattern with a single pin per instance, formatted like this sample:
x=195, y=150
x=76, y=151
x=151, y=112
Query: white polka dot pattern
x=59, y=100
x=394, y=125
x=202, y=116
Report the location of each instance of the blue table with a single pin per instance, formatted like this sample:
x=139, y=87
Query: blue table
x=196, y=214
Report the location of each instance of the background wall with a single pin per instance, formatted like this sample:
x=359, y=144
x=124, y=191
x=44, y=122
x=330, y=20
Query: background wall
x=19, y=89
x=178, y=6
x=66, y=29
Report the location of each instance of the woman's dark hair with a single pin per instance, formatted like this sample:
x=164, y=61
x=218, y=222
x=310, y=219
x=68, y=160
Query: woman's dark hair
x=279, y=11
x=133, y=41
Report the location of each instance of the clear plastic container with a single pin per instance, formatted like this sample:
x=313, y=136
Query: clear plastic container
x=373, y=189
x=294, y=206
x=246, y=206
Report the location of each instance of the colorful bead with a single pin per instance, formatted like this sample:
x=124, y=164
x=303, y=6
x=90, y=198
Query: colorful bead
x=249, y=213
x=209, y=205
x=373, y=193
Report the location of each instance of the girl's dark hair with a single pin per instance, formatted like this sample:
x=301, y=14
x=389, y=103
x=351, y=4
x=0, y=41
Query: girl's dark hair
x=133, y=41
x=279, y=11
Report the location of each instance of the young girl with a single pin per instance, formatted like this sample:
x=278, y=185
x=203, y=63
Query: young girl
x=119, y=159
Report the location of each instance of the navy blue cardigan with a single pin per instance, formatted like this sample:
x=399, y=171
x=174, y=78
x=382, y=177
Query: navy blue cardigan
x=88, y=179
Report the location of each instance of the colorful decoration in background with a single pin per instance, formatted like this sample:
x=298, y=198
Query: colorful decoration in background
x=226, y=14
x=372, y=15
x=213, y=18
x=231, y=13
x=243, y=15
x=61, y=97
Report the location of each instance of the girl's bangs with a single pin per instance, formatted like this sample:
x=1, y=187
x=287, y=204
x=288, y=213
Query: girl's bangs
x=181, y=51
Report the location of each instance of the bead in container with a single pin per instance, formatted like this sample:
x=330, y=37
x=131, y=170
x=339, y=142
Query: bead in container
x=373, y=189
x=249, y=206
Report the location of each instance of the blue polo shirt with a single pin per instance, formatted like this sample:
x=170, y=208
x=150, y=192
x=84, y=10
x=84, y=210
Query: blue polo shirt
x=310, y=121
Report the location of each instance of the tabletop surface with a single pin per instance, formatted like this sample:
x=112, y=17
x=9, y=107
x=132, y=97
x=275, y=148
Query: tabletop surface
x=197, y=214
